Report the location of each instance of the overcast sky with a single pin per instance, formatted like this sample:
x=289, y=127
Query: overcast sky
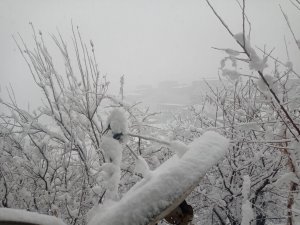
x=146, y=40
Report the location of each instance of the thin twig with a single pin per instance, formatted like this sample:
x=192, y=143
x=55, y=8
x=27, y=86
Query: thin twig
x=133, y=153
x=259, y=72
x=290, y=27
x=243, y=14
x=167, y=143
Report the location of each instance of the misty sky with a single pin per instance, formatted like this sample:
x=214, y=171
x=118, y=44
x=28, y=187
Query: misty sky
x=146, y=40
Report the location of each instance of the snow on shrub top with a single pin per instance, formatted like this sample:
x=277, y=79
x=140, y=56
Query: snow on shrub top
x=117, y=121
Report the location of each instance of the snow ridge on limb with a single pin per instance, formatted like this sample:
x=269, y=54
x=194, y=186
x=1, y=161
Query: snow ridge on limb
x=8, y=216
x=151, y=199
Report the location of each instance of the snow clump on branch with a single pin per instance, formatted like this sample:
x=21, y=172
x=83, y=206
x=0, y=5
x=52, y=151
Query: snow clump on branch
x=179, y=148
x=117, y=121
x=112, y=150
x=256, y=63
x=110, y=174
x=141, y=167
x=232, y=74
x=148, y=199
x=262, y=86
x=247, y=211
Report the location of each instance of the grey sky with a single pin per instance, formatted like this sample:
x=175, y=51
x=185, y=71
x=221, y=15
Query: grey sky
x=147, y=40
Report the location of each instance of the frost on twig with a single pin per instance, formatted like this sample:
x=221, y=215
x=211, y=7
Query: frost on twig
x=141, y=167
x=255, y=63
x=247, y=211
x=262, y=86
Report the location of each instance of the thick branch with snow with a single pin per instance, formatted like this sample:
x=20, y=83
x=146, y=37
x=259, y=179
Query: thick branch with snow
x=158, y=194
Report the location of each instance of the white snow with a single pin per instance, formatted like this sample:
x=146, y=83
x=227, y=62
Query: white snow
x=289, y=65
x=97, y=189
x=109, y=178
x=170, y=181
x=141, y=166
x=230, y=58
x=110, y=172
x=179, y=147
x=19, y=215
x=231, y=52
x=117, y=121
x=286, y=179
x=262, y=85
x=256, y=63
x=246, y=186
x=112, y=150
x=232, y=74
x=247, y=211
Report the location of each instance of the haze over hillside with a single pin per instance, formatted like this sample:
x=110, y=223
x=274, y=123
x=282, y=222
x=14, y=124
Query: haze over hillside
x=171, y=94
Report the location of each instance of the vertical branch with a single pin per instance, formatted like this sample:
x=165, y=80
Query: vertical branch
x=290, y=27
x=243, y=12
x=286, y=49
x=122, y=87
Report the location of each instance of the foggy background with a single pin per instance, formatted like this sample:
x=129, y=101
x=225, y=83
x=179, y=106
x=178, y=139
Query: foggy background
x=147, y=41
